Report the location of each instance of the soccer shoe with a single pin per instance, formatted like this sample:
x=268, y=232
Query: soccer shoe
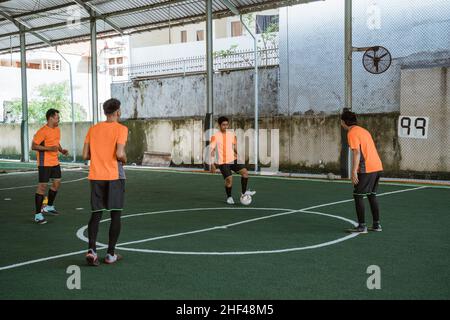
x=109, y=259
x=92, y=258
x=250, y=192
x=376, y=227
x=50, y=210
x=39, y=219
x=230, y=200
x=358, y=229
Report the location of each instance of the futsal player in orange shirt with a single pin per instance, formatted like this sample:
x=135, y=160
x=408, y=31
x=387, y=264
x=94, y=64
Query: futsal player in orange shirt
x=104, y=146
x=366, y=170
x=46, y=143
x=226, y=144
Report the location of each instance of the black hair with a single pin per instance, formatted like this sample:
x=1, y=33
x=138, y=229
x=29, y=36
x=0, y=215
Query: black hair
x=349, y=117
x=110, y=106
x=222, y=119
x=50, y=113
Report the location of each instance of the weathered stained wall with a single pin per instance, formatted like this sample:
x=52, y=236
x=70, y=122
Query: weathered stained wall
x=10, y=137
x=426, y=93
x=306, y=144
x=185, y=96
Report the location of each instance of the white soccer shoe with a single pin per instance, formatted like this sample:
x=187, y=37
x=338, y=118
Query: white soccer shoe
x=230, y=200
x=250, y=192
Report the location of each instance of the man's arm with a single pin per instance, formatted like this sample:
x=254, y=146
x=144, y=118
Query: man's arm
x=86, y=152
x=120, y=153
x=355, y=164
x=212, y=156
x=38, y=147
x=63, y=151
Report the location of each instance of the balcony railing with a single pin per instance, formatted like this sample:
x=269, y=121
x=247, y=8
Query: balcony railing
x=238, y=59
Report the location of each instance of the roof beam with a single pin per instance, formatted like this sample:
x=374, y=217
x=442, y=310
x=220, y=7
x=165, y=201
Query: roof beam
x=43, y=10
x=231, y=6
x=93, y=11
x=158, y=25
x=21, y=25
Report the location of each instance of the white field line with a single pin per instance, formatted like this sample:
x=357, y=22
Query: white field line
x=300, y=210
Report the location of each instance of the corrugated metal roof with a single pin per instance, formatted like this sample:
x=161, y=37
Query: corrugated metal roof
x=53, y=19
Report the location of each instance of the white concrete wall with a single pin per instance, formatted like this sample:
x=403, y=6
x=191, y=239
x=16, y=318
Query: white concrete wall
x=185, y=96
x=426, y=93
x=10, y=137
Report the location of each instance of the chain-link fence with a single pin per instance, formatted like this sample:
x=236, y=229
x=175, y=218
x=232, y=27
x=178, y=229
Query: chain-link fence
x=302, y=86
x=406, y=108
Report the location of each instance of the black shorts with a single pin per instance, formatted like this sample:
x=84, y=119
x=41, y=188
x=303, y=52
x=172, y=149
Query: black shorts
x=368, y=183
x=107, y=195
x=47, y=173
x=226, y=168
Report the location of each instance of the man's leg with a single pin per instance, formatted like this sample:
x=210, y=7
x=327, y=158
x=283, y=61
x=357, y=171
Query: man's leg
x=359, y=192
x=39, y=196
x=374, y=208
x=228, y=185
x=93, y=229
x=115, y=202
x=114, y=230
x=374, y=204
x=359, y=205
x=53, y=191
x=97, y=205
x=244, y=179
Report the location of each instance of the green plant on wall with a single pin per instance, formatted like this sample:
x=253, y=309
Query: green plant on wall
x=54, y=95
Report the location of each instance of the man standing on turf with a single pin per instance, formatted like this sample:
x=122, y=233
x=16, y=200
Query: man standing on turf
x=104, y=146
x=366, y=170
x=46, y=143
x=226, y=144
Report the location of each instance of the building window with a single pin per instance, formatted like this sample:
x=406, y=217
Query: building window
x=54, y=65
x=236, y=29
x=112, y=61
x=200, y=35
x=267, y=23
x=119, y=72
x=184, y=36
x=119, y=60
x=112, y=72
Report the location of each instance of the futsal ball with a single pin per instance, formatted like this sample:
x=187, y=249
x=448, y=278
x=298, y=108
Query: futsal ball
x=246, y=199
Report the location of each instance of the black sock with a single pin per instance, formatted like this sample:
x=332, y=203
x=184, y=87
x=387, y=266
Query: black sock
x=51, y=196
x=359, y=204
x=93, y=229
x=244, y=184
x=374, y=208
x=38, y=199
x=114, y=231
x=228, y=191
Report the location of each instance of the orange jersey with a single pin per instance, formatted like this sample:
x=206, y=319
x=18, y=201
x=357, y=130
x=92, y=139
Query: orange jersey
x=225, y=143
x=47, y=137
x=103, y=139
x=359, y=138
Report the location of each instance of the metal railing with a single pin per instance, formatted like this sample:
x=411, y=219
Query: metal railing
x=222, y=61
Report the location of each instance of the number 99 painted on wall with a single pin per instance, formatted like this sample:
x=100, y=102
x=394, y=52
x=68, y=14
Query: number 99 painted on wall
x=413, y=127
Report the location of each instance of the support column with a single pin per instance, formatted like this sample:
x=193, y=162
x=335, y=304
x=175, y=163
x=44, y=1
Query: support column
x=94, y=70
x=25, y=144
x=209, y=70
x=345, y=159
